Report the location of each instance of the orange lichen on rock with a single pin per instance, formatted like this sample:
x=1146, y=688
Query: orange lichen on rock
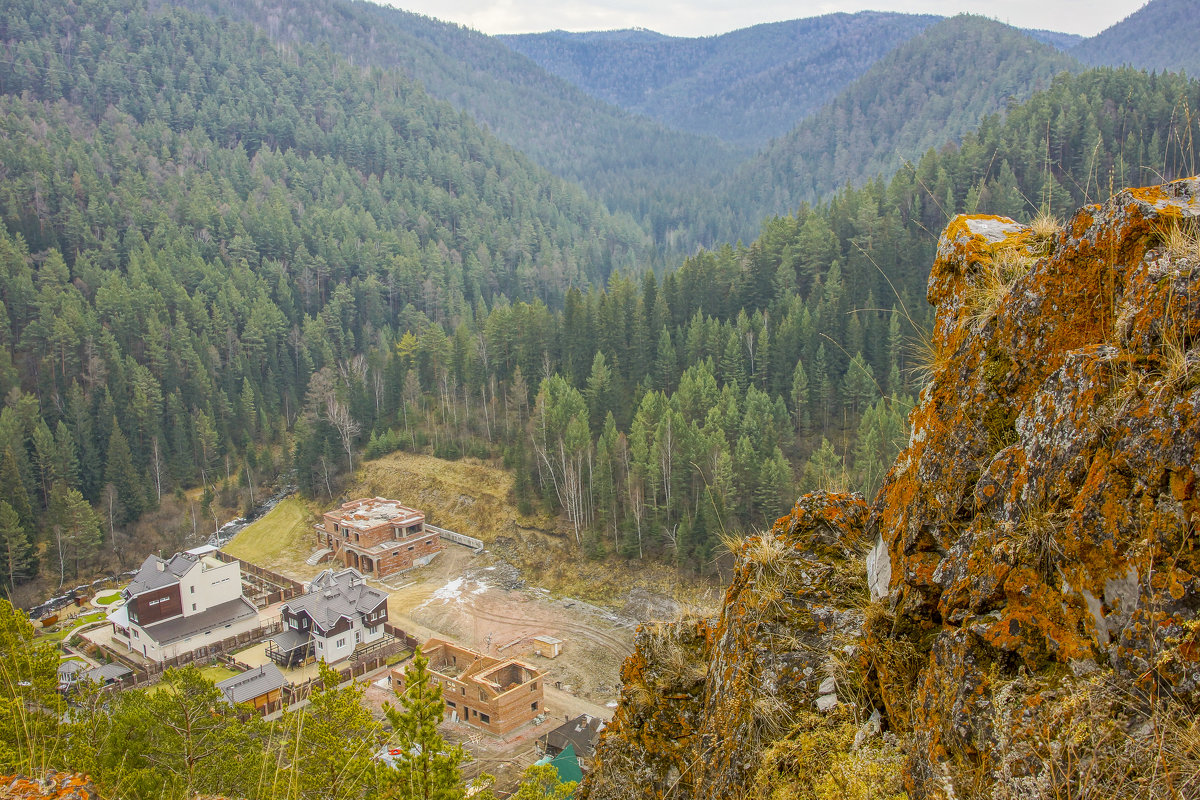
x=53, y=786
x=1033, y=546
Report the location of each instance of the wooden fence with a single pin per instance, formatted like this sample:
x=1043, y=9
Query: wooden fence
x=274, y=588
x=145, y=673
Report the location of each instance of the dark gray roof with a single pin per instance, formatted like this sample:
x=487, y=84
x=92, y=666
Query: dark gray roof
x=150, y=577
x=290, y=639
x=582, y=732
x=107, y=672
x=217, y=616
x=332, y=596
x=249, y=685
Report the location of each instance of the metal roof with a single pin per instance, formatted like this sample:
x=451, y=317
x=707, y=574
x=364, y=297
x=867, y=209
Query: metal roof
x=107, y=672
x=332, y=596
x=156, y=573
x=177, y=628
x=249, y=685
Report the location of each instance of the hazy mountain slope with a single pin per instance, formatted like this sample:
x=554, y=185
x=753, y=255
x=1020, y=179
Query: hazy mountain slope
x=926, y=93
x=1161, y=35
x=612, y=153
x=745, y=86
x=1061, y=41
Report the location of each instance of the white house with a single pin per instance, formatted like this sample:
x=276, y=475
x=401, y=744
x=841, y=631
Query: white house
x=177, y=605
x=338, y=614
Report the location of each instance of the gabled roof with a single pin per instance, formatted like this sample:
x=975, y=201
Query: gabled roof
x=107, y=672
x=254, y=683
x=332, y=596
x=156, y=573
x=580, y=734
x=70, y=668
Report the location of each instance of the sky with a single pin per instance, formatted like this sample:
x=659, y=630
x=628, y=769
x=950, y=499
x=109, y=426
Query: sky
x=707, y=17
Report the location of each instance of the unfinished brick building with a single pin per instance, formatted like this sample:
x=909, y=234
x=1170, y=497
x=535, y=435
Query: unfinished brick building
x=377, y=537
x=495, y=695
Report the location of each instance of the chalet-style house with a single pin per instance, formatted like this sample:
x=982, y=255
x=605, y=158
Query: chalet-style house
x=176, y=605
x=494, y=695
x=337, y=615
x=261, y=687
x=377, y=537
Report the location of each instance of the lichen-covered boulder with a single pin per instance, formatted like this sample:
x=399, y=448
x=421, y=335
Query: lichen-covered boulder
x=1044, y=515
x=1019, y=610
x=788, y=628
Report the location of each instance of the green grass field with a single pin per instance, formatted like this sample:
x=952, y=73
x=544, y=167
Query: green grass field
x=108, y=599
x=217, y=674
x=82, y=619
x=280, y=541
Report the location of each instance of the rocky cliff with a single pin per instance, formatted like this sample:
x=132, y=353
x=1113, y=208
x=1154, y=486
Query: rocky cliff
x=1017, y=613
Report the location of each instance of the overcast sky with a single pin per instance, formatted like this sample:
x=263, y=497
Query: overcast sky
x=706, y=17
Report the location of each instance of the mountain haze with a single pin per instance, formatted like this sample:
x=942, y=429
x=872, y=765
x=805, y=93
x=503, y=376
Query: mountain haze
x=745, y=87
x=925, y=94
x=1161, y=36
x=628, y=161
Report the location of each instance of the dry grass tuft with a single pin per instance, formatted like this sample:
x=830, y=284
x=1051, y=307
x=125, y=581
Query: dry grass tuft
x=1181, y=239
x=1044, y=230
x=994, y=280
x=926, y=360
x=1036, y=541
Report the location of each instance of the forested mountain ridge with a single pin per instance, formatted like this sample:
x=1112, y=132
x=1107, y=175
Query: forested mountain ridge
x=632, y=164
x=1161, y=36
x=745, y=87
x=925, y=94
x=218, y=251
x=196, y=222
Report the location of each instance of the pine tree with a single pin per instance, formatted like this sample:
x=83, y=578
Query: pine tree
x=426, y=767
x=337, y=741
x=19, y=557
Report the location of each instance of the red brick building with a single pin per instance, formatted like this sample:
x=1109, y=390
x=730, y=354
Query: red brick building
x=378, y=537
x=495, y=695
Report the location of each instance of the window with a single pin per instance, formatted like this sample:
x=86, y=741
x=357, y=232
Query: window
x=320, y=644
x=193, y=606
x=410, y=547
x=357, y=636
x=450, y=704
x=533, y=706
x=533, y=687
x=485, y=719
x=193, y=589
x=340, y=642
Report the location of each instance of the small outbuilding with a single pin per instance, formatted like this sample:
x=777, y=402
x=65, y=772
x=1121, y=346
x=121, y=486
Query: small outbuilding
x=261, y=687
x=547, y=646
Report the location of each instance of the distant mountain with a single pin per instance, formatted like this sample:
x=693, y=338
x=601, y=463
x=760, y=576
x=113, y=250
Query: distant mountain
x=927, y=93
x=1162, y=36
x=744, y=87
x=1061, y=41
x=620, y=158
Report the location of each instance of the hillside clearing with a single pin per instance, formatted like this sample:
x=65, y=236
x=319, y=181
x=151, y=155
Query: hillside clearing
x=281, y=540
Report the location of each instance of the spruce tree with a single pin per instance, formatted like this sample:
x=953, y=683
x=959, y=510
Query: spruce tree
x=426, y=767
